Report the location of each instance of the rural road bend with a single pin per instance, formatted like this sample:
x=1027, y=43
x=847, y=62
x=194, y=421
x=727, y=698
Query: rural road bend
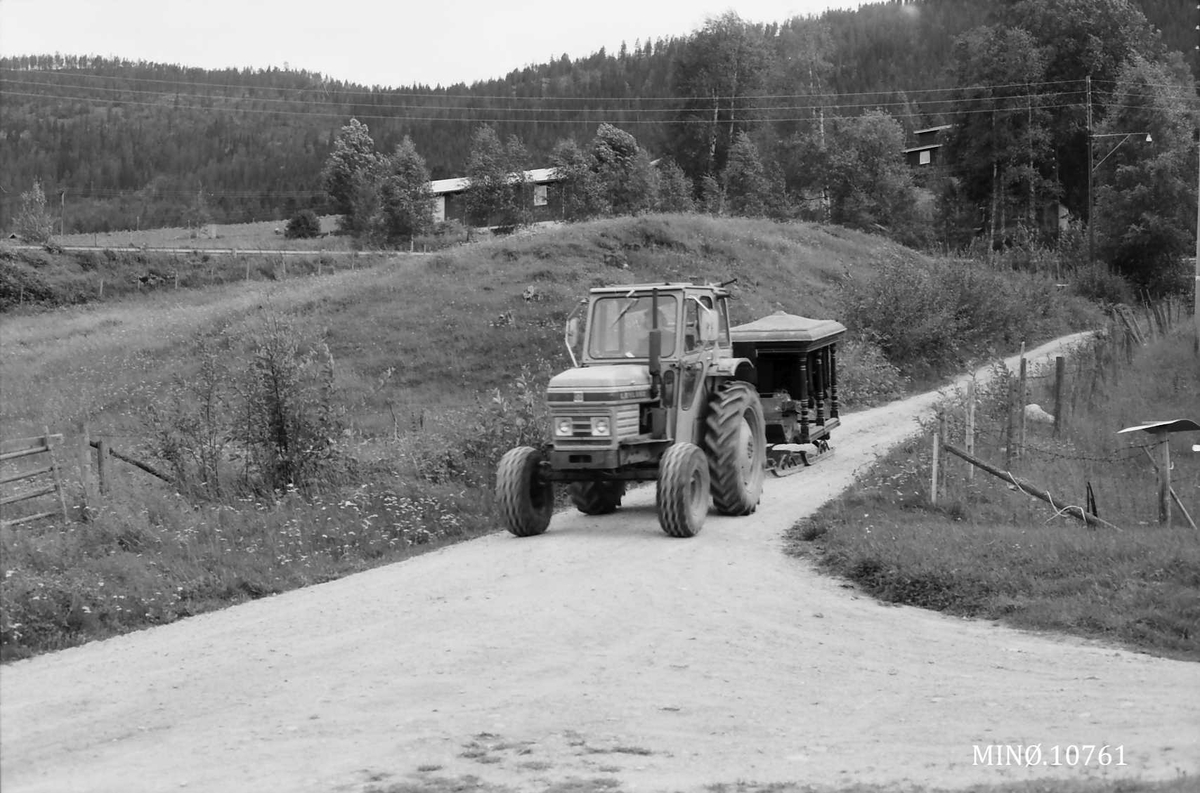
x=600, y=649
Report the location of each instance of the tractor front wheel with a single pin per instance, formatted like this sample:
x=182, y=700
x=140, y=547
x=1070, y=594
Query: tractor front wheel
x=735, y=437
x=597, y=498
x=683, y=485
x=525, y=500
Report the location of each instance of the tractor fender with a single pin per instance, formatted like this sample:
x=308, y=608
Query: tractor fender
x=734, y=369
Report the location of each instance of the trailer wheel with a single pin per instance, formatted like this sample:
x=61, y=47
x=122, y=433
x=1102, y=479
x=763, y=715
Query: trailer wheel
x=525, y=501
x=683, y=486
x=597, y=498
x=735, y=437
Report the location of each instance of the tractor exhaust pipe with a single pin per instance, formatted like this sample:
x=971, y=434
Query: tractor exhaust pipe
x=655, y=348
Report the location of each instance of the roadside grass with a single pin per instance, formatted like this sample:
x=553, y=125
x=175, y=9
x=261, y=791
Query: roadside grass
x=988, y=551
x=439, y=366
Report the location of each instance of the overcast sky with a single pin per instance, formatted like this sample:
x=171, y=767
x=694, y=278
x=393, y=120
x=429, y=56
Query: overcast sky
x=365, y=41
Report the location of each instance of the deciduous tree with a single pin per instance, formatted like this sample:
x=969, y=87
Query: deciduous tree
x=718, y=75
x=350, y=173
x=34, y=223
x=1145, y=212
x=405, y=199
x=497, y=188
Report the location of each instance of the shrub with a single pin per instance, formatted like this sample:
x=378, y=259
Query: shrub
x=304, y=225
x=865, y=376
x=277, y=413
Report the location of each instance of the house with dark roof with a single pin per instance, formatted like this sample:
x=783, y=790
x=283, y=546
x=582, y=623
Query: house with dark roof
x=449, y=196
x=927, y=152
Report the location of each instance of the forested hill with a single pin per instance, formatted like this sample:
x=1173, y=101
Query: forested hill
x=119, y=143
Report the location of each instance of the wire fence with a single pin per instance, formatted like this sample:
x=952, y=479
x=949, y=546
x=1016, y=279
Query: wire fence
x=1022, y=422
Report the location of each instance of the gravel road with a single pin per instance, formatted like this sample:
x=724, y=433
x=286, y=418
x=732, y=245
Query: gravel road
x=600, y=649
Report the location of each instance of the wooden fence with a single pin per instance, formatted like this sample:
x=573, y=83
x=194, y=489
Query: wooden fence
x=21, y=448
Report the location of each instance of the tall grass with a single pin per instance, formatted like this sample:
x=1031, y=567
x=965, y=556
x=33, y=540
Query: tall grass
x=988, y=550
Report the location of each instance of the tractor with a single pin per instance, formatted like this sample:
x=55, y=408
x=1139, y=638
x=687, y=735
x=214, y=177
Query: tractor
x=665, y=390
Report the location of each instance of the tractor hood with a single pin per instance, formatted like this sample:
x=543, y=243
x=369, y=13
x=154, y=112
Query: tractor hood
x=622, y=382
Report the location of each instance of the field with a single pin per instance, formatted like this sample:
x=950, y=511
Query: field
x=265, y=235
x=407, y=377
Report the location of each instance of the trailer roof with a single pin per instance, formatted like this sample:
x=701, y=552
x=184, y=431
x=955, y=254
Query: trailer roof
x=782, y=326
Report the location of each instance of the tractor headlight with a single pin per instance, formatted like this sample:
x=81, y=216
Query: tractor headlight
x=600, y=426
x=563, y=426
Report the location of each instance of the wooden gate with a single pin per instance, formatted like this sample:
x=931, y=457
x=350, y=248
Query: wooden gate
x=35, y=478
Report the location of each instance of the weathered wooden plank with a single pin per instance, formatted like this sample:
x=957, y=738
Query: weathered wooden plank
x=26, y=496
x=17, y=477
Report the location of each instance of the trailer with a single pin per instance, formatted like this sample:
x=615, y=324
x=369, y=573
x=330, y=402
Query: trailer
x=795, y=365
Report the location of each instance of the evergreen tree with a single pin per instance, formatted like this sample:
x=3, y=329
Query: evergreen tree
x=747, y=187
x=674, y=189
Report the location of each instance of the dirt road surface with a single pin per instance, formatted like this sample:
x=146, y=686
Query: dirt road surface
x=602, y=649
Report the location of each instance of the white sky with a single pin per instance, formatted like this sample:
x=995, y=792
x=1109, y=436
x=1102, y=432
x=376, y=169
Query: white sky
x=365, y=41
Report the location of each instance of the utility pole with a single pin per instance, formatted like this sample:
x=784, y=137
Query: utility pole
x=62, y=215
x=1091, y=225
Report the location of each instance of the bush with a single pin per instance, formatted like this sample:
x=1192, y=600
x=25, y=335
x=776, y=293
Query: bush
x=304, y=225
x=865, y=376
x=1102, y=286
x=277, y=417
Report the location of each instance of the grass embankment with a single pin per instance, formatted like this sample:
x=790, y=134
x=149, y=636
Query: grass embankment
x=989, y=551
x=438, y=367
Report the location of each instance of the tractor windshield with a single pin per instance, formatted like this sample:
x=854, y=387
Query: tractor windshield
x=620, y=326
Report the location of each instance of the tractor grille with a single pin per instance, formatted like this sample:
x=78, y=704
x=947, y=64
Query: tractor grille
x=627, y=421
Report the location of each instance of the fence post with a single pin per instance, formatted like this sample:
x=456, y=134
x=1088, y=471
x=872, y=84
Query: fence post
x=1164, y=480
x=969, y=440
x=1060, y=374
x=102, y=466
x=943, y=437
x=56, y=473
x=1021, y=386
x=85, y=467
x=933, y=477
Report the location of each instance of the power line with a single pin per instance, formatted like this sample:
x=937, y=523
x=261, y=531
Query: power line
x=433, y=93
x=473, y=117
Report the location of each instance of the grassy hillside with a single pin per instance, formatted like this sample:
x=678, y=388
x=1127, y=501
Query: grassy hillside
x=406, y=380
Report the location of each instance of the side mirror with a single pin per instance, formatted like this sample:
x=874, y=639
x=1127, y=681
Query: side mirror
x=573, y=332
x=708, y=326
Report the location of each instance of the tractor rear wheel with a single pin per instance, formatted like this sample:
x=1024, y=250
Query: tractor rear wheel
x=735, y=437
x=683, y=485
x=597, y=498
x=525, y=500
